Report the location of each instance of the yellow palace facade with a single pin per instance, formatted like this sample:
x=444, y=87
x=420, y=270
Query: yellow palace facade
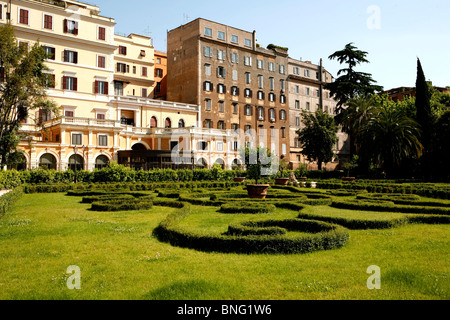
x=104, y=87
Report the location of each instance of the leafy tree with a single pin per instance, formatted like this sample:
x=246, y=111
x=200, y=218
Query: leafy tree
x=258, y=161
x=390, y=137
x=22, y=88
x=318, y=137
x=351, y=83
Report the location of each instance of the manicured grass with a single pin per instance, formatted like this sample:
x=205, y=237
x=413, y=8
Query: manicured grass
x=119, y=257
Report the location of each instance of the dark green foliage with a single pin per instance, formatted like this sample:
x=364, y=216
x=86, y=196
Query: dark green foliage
x=122, y=205
x=318, y=137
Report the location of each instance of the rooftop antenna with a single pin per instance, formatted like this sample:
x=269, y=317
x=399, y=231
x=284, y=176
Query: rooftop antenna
x=186, y=18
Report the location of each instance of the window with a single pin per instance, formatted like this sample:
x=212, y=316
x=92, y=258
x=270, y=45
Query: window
x=308, y=106
x=260, y=82
x=221, y=88
x=307, y=91
x=71, y=26
x=50, y=52
x=283, y=148
x=272, y=83
x=282, y=115
x=101, y=116
x=134, y=69
x=50, y=81
x=317, y=93
x=297, y=121
x=23, y=16
x=207, y=69
x=101, y=87
x=123, y=68
x=102, y=140
x=248, y=129
x=234, y=39
x=77, y=139
x=219, y=146
x=158, y=87
x=247, y=42
x=221, y=35
x=247, y=93
x=1, y=12
x=307, y=73
x=283, y=98
x=70, y=83
x=272, y=115
x=207, y=51
x=221, y=72
x=101, y=62
x=260, y=64
x=208, y=104
x=118, y=88
x=101, y=33
x=221, y=107
x=235, y=75
x=235, y=146
x=159, y=73
x=48, y=22
x=220, y=54
x=168, y=123
x=282, y=85
x=248, y=110
x=260, y=113
x=101, y=162
x=272, y=97
x=208, y=32
x=153, y=122
x=203, y=145
x=297, y=104
x=282, y=69
x=70, y=56
x=248, y=78
x=271, y=66
x=248, y=61
x=221, y=125
x=260, y=95
x=123, y=50
x=69, y=114
x=296, y=70
x=144, y=71
x=208, y=124
x=235, y=108
x=297, y=89
x=144, y=93
x=181, y=124
x=234, y=57
x=234, y=91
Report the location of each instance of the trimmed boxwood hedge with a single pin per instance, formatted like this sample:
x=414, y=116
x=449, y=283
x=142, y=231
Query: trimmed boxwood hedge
x=331, y=237
x=122, y=205
x=247, y=208
x=388, y=207
x=8, y=199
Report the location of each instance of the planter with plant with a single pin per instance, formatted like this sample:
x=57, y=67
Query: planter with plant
x=348, y=166
x=258, y=163
x=282, y=176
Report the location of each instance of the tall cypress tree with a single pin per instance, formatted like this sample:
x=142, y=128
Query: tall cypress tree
x=423, y=106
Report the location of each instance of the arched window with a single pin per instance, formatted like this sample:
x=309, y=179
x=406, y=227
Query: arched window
x=47, y=161
x=76, y=162
x=101, y=162
x=153, y=122
x=181, y=124
x=168, y=123
x=282, y=115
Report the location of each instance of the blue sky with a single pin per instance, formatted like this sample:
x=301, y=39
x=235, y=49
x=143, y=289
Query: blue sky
x=393, y=32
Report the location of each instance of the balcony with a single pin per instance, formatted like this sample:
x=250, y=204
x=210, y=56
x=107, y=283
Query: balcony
x=58, y=3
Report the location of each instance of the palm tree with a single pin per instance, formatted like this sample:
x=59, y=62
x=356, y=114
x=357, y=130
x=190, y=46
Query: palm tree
x=390, y=137
x=359, y=110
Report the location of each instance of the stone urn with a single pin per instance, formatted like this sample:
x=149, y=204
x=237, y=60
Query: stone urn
x=281, y=181
x=257, y=191
x=239, y=179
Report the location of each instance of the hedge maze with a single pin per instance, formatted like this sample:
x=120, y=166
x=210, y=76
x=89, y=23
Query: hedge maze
x=291, y=220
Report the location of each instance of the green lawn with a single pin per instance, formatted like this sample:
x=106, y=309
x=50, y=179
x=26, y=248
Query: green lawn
x=119, y=258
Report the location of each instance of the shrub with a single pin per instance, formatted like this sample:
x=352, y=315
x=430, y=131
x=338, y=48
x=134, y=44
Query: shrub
x=247, y=208
x=8, y=199
x=121, y=205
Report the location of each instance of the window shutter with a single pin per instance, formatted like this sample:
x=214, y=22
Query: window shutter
x=75, y=84
x=224, y=73
x=76, y=29
x=65, y=26
x=106, y=88
x=118, y=67
x=66, y=56
x=64, y=83
x=41, y=115
x=96, y=87
x=75, y=57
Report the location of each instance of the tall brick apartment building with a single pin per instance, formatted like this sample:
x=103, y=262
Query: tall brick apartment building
x=240, y=86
